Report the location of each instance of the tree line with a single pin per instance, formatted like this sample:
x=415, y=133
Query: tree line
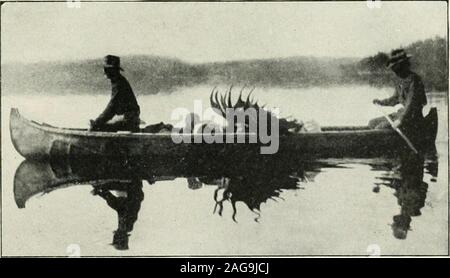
x=153, y=74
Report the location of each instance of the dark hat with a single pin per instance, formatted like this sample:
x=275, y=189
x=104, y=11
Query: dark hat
x=111, y=61
x=397, y=56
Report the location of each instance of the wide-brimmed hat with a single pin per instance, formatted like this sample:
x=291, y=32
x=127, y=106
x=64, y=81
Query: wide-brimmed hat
x=397, y=56
x=111, y=61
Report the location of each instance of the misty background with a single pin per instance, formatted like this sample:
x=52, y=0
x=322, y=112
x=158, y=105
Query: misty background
x=52, y=48
x=154, y=74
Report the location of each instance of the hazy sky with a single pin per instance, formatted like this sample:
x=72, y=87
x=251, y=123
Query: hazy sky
x=202, y=32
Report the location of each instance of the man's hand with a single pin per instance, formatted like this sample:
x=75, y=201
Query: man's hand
x=92, y=125
x=376, y=101
x=96, y=191
x=396, y=124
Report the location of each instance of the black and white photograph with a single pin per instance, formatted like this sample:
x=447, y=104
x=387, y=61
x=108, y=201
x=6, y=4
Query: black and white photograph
x=224, y=129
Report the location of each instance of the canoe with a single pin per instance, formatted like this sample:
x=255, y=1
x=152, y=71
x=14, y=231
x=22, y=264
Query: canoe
x=40, y=141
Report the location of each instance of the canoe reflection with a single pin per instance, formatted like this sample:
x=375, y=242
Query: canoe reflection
x=249, y=179
x=406, y=179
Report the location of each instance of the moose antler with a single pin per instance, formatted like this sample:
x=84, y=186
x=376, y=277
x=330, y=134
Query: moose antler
x=223, y=102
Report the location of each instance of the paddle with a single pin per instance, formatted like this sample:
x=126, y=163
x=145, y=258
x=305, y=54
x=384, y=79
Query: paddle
x=411, y=146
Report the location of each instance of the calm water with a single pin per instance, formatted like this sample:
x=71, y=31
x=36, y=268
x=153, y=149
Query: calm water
x=240, y=205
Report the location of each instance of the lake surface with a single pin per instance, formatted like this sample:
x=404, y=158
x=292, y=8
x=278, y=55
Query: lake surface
x=281, y=207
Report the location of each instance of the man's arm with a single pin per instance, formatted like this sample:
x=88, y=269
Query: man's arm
x=390, y=101
x=108, y=113
x=110, y=199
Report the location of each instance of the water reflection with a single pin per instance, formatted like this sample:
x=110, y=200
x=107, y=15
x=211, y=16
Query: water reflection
x=126, y=202
x=245, y=178
x=251, y=179
x=262, y=181
x=406, y=177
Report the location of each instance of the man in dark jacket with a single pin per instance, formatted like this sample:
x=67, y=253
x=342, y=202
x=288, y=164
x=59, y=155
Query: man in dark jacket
x=409, y=92
x=122, y=111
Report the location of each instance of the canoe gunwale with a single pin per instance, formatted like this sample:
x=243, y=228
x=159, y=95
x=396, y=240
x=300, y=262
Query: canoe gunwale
x=85, y=133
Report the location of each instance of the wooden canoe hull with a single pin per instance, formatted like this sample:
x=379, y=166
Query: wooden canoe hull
x=40, y=141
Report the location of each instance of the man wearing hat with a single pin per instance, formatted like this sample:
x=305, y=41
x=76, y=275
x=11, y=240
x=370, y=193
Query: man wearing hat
x=409, y=91
x=122, y=111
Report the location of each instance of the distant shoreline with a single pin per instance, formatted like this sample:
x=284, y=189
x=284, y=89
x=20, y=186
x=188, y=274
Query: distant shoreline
x=107, y=92
x=154, y=74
